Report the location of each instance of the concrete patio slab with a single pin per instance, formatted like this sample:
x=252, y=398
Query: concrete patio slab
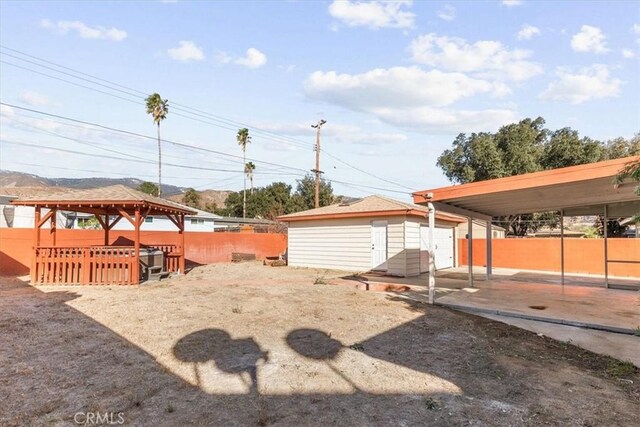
x=587, y=307
x=619, y=346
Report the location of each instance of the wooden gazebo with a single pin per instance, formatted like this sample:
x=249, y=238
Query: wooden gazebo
x=104, y=264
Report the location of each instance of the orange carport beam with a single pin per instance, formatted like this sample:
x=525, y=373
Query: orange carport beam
x=572, y=174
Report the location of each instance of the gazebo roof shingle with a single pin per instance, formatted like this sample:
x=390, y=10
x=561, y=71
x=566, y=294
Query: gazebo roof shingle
x=112, y=195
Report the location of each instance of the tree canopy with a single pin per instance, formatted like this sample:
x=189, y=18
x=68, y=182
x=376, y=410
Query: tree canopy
x=149, y=188
x=191, y=198
x=278, y=199
x=523, y=147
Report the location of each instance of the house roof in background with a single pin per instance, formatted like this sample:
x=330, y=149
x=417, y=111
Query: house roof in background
x=370, y=206
x=87, y=200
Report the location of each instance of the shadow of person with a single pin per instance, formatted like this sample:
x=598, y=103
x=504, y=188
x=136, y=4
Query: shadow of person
x=233, y=356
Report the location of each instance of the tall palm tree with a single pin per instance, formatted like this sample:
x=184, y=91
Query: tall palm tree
x=243, y=140
x=158, y=108
x=249, y=167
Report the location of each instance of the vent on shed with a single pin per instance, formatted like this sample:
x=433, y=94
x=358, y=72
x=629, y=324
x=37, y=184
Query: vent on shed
x=348, y=201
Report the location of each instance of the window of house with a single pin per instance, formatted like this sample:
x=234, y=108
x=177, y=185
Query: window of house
x=197, y=220
x=148, y=219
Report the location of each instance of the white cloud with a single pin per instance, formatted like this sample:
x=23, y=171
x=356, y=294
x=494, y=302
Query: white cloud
x=437, y=120
x=628, y=53
x=396, y=86
x=374, y=138
x=510, y=3
x=448, y=12
x=187, y=51
x=85, y=31
x=410, y=97
x=484, y=56
x=527, y=32
x=589, y=39
x=373, y=14
x=253, y=59
x=36, y=99
x=593, y=82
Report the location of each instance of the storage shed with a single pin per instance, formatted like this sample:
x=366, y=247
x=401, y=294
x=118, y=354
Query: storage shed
x=374, y=233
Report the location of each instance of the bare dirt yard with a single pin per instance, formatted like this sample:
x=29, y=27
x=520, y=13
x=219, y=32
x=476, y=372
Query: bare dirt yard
x=245, y=344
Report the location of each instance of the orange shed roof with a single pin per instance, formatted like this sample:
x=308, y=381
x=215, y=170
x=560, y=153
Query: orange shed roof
x=370, y=206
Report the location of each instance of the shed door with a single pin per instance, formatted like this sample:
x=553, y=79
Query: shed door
x=379, y=245
x=443, y=248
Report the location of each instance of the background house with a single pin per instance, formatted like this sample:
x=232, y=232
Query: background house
x=373, y=233
x=480, y=230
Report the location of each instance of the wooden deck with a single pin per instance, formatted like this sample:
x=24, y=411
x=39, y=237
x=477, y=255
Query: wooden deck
x=94, y=265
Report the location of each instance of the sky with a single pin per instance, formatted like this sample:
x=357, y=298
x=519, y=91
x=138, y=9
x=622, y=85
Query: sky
x=395, y=81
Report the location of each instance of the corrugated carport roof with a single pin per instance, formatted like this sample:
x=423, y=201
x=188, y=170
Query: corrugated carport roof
x=579, y=190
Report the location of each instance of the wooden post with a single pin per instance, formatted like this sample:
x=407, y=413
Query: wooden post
x=36, y=243
x=106, y=228
x=54, y=224
x=182, y=247
x=136, y=261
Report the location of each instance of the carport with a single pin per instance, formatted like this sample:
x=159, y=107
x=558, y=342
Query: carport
x=589, y=189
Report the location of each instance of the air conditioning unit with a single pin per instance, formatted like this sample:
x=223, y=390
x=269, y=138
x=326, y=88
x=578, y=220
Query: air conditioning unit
x=151, y=264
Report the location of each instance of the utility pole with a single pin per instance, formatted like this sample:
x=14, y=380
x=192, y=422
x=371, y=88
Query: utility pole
x=317, y=170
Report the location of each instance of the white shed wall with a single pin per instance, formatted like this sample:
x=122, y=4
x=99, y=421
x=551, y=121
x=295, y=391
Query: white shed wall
x=412, y=239
x=344, y=244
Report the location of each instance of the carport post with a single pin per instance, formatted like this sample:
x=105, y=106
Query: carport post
x=489, y=251
x=606, y=248
x=470, y=250
x=432, y=264
x=562, y=246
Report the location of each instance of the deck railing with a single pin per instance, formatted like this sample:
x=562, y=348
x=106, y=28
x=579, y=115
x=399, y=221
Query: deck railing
x=89, y=265
x=171, y=256
x=94, y=265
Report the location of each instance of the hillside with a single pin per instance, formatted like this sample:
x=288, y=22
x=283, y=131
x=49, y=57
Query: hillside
x=19, y=183
x=20, y=179
x=206, y=197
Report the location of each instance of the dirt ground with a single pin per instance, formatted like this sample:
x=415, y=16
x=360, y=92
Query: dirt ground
x=243, y=344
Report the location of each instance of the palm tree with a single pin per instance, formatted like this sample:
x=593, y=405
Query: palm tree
x=249, y=167
x=243, y=139
x=158, y=108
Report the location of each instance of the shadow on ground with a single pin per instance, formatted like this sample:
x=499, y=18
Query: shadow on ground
x=56, y=362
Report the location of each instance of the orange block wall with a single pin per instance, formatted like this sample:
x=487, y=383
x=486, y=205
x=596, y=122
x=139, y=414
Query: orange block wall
x=16, y=244
x=584, y=256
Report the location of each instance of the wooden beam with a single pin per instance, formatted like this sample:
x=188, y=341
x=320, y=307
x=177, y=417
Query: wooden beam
x=175, y=221
x=101, y=221
x=115, y=222
x=144, y=215
x=444, y=207
x=46, y=218
x=124, y=214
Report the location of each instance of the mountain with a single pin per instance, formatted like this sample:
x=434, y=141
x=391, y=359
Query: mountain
x=207, y=197
x=30, y=183
x=20, y=179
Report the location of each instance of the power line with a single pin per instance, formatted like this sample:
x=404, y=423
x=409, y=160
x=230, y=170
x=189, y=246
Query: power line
x=190, y=110
x=126, y=132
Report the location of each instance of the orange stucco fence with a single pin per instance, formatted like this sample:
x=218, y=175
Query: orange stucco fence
x=584, y=256
x=16, y=244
